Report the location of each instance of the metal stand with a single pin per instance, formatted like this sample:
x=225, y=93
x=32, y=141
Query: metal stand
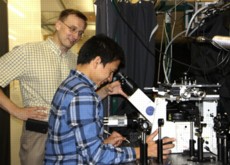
x=160, y=142
x=219, y=148
x=225, y=150
x=144, y=126
x=221, y=126
x=222, y=152
x=191, y=151
x=200, y=154
x=191, y=141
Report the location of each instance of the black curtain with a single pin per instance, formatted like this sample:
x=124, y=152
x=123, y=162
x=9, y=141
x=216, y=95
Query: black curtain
x=4, y=116
x=214, y=63
x=131, y=25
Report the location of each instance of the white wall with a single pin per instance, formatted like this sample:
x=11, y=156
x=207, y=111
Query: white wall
x=24, y=20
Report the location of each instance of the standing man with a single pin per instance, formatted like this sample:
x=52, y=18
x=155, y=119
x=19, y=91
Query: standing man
x=40, y=67
x=75, y=135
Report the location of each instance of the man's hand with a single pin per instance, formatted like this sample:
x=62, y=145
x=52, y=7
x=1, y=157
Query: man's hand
x=37, y=113
x=152, y=145
x=113, y=88
x=115, y=139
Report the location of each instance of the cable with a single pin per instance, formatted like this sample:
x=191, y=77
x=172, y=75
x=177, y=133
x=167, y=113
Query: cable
x=208, y=149
x=193, y=17
x=166, y=49
x=206, y=11
x=160, y=53
x=224, y=60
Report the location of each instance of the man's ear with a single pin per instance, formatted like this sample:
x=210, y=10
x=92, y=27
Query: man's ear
x=96, y=61
x=58, y=25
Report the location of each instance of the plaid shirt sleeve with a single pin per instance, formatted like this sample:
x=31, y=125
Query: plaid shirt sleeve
x=12, y=65
x=84, y=116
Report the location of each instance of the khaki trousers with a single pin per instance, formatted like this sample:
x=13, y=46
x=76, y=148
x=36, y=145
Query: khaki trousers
x=32, y=147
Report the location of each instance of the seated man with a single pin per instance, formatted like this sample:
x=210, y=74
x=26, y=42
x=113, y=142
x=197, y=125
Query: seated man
x=76, y=119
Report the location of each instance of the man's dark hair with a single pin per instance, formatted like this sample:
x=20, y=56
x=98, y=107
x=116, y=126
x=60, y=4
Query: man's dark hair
x=102, y=46
x=65, y=13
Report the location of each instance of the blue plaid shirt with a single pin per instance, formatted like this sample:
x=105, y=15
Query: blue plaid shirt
x=75, y=134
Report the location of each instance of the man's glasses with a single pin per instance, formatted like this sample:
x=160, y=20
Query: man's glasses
x=74, y=30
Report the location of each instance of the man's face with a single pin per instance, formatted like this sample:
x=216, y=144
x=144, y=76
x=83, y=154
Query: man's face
x=104, y=74
x=70, y=31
